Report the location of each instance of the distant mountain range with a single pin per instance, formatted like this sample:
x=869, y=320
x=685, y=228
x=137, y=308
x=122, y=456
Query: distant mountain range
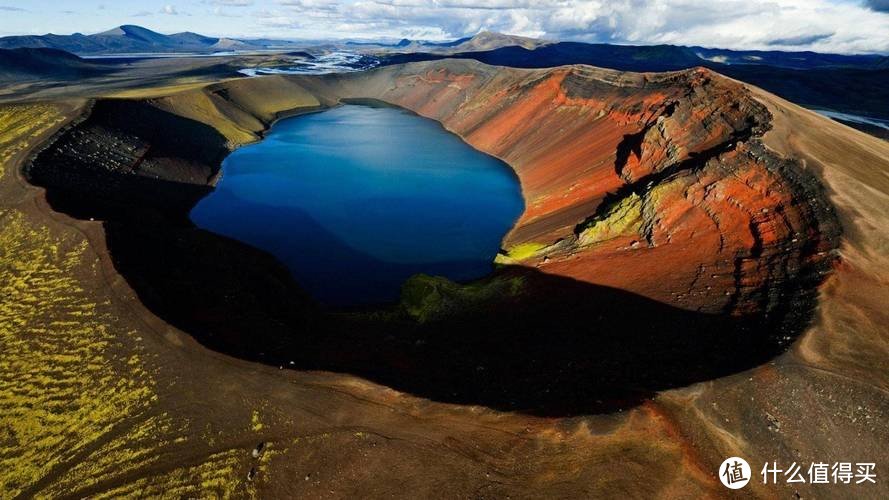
x=643, y=57
x=485, y=40
x=854, y=84
x=131, y=39
x=496, y=48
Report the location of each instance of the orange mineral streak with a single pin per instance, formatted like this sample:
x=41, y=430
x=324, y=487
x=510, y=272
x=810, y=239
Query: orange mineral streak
x=693, y=464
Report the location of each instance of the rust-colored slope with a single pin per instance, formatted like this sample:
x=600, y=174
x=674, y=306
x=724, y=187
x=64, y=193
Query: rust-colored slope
x=652, y=183
x=562, y=130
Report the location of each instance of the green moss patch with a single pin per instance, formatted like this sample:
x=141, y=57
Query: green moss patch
x=519, y=253
x=623, y=217
x=428, y=298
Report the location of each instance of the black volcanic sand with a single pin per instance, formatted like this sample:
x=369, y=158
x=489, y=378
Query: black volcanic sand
x=541, y=344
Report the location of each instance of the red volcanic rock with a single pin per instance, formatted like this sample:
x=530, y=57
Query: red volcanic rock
x=652, y=183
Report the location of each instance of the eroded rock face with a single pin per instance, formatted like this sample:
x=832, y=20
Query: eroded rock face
x=654, y=183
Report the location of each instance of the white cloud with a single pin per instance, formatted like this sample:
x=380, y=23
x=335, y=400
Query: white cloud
x=232, y=3
x=169, y=10
x=823, y=25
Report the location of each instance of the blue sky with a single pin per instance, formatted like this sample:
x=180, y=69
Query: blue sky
x=844, y=26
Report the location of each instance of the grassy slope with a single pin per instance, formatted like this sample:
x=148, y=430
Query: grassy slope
x=20, y=125
x=77, y=392
x=67, y=381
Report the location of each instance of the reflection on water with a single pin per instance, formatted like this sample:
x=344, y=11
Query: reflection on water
x=357, y=199
x=876, y=122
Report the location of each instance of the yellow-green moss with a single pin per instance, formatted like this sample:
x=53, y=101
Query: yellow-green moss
x=238, y=126
x=266, y=97
x=216, y=476
x=623, y=217
x=78, y=408
x=519, y=253
x=20, y=124
x=255, y=421
x=65, y=381
x=426, y=298
x=141, y=447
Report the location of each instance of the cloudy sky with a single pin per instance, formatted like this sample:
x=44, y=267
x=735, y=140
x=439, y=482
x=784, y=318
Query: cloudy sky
x=843, y=26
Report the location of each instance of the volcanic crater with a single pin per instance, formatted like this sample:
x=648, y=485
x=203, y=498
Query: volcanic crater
x=662, y=243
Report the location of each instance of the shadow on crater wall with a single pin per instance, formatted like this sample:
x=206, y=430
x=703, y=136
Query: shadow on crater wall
x=557, y=347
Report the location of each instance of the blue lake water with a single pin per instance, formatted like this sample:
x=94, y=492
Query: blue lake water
x=357, y=199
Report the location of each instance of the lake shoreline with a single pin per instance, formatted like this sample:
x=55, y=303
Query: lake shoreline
x=420, y=152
